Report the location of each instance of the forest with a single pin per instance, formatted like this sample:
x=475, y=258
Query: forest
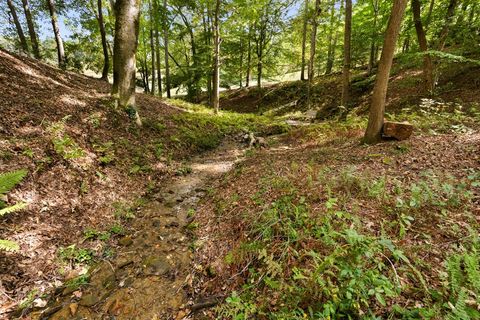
x=240, y=159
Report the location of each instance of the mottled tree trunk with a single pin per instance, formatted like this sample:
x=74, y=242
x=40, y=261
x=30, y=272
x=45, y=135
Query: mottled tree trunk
x=18, y=26
x=313, y=49
x=377, y=108
x=58, y=37
x=422, y=42
x=216, y=59
x=152, y=46
x=127, y=14
x=304, y=41
x=103, y=34
x=165, y=44
x=346, y=53
x=442, y=38
x=31, y=30
x=330, y=40
x=372, y=61
x=249, y=58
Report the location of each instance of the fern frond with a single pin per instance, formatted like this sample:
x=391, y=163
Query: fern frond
x=8, y=245
x=472, y=269
x=460, y=309
x=17, y=207
x=9, y=180
x=455, y=274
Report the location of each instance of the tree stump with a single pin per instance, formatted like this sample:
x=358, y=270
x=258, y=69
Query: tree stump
x=397, y=130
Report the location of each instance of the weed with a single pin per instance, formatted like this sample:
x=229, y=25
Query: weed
x=76, y=255
x=123, y=211
x=63, y=144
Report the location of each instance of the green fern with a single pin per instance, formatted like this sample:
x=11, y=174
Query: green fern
x=16, y=207
x=9, y=180
x=464, y=282
x=9, y=245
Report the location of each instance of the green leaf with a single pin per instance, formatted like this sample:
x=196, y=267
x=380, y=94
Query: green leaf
x=9, y=180
x=17, y=207
x=8, y=245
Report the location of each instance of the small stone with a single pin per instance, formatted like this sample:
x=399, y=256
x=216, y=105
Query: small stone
x=125, y=241
x=89, y=300
x=39, y=303
x=124, y=262
x=156, y=265
x=73, y=308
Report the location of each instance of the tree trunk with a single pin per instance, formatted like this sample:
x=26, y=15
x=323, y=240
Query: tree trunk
x=165, y=45
x=58, y=37
x=31, y=30
x=157, y=48
x=442, y=39
x=18, y=26
x=103, y=34
x=422, y=42
x=249, y=58
x=329, y=65
x=430, y=11
x=372, y=61
x=313, y=40
x=377, y=108
x=304, y=41
x=346, y=54
x=152, y=46
x=313, y=48
x=127, y=14
x=216, y=59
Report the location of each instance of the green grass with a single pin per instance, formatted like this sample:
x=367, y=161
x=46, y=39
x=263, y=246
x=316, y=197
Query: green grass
x=201, y=129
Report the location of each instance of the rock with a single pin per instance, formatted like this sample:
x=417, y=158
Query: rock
x=397, y=130
x=73, y=308
x=89, y=300
x=39, y=303
x=156, y=265
x=123, y=262
x=260, y=142
x=125, y=241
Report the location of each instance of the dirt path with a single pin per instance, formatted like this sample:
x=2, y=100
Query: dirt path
x=150, y=276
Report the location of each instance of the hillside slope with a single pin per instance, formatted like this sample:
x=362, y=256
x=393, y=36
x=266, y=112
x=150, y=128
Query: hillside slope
x=457, y=83
x=89, y=169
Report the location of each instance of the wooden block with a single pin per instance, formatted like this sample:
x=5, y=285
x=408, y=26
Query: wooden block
x=397, y=130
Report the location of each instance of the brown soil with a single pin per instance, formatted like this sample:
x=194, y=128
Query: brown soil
x=67, y=196
x=457, y=84
x=226, y=218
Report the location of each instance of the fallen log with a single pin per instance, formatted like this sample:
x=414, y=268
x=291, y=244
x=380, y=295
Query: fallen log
x=397, y=130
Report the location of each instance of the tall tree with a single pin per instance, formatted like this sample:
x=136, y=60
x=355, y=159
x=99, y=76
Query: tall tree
x=313, y=48
x=157, y=46
x=216, y=58
x=152, y=44
x=377, y=108
x=249, y=57
x=165, y=45
x=373, y=44
x=331, y=40
x=442, y=38
x=127, y=13
x=422, y=42
x=56, y=32
x=103, y=35
x=18, y=26
x=304, y=41
x=313, y=40
x=31, y=29
x=346, y=53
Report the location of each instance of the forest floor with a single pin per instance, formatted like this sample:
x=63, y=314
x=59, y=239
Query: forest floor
x=179, y=216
